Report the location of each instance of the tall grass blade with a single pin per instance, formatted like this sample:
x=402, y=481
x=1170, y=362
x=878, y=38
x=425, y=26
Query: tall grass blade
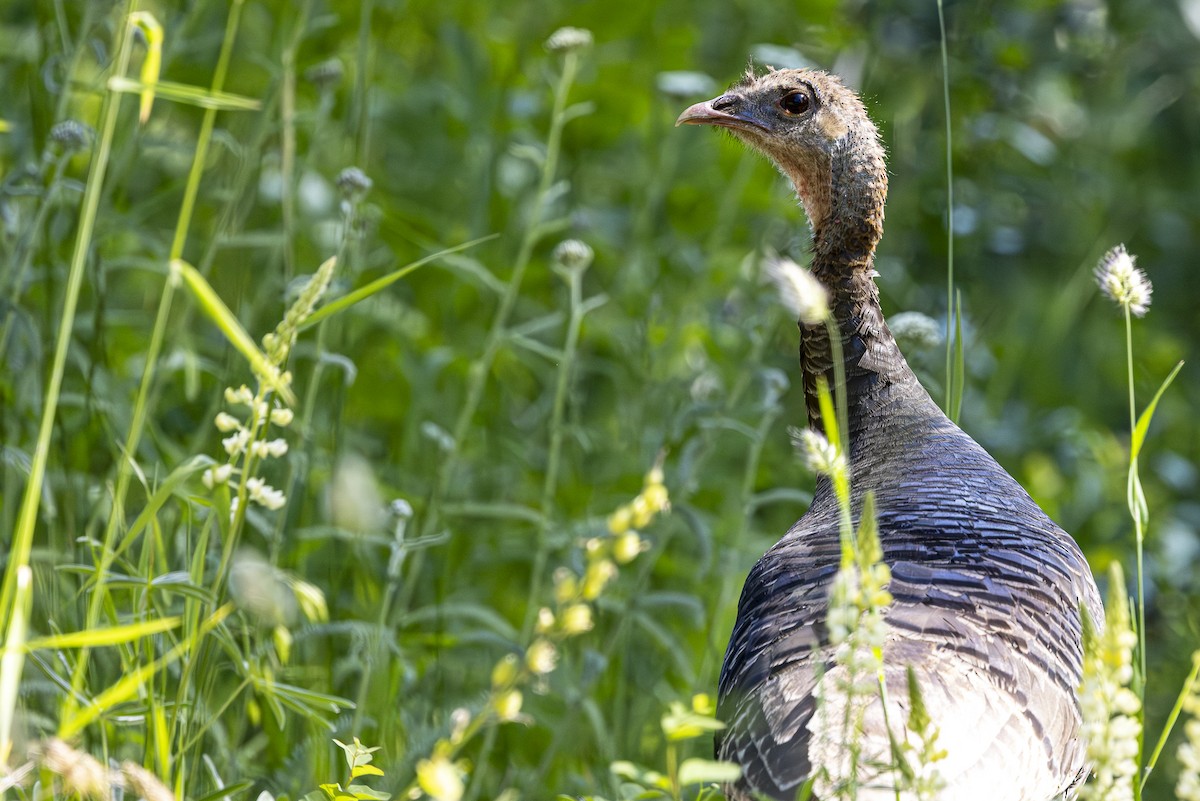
x=1172, y=718
x=219, y=313
x=188, y=95
x=366, y=291
x=127, y=687
x=111, y=635
x=13, y=660
x=950, y=363
x=22, y=537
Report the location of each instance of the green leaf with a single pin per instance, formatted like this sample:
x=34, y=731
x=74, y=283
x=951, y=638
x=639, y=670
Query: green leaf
x=365, y=793
x=152, y=62
x=643, y=776
x=365, y=770
x=681, y=723
x=703, y=771
x=336, y=793
x=364, y=292
x=219, y=313
x=129, y=684
x=1143, y=423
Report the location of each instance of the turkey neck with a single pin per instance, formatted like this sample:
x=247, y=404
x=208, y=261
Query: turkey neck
x=847, y=214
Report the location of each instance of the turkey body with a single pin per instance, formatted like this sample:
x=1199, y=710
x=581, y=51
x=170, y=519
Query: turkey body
x=987, y=589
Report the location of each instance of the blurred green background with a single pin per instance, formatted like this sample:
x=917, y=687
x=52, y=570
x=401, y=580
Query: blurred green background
x=1076, y=126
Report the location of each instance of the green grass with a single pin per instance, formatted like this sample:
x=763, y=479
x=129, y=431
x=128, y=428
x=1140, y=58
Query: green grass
x=468, y=412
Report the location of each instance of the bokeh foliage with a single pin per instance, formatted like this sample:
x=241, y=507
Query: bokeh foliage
x=1075, y=126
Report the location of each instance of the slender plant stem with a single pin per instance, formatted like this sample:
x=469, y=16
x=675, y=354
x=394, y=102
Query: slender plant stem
x=950, y=404
x=116, y=518
x=1133, y=498
x=554, y=454
x=1134, y=506
x=22, y=540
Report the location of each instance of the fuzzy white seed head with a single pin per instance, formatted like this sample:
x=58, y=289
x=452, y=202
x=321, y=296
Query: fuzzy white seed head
x=799, y=291
x=565, y=40
x=1122, y=282
x=573, y=255
x=143, y=784
x=821, y=456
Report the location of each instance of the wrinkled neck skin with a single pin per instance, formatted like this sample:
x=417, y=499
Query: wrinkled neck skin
x=844, y=200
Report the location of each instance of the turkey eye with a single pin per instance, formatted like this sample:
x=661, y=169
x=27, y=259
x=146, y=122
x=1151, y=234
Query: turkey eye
x=794, y=102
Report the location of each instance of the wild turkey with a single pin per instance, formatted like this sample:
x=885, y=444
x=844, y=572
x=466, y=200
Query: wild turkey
x=987, y=589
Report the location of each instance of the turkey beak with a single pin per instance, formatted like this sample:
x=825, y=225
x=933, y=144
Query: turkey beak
x=726, y=111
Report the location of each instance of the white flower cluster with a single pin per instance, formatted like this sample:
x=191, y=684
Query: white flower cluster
x=246, y=441
x=857, y=599
x=1111, y=726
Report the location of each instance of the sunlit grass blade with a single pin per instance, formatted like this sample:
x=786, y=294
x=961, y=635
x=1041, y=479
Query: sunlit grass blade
x=186, y=94
x=219, y=313
x=1172, y=718
x=145, y=22
x=111, y=635
x=169, y=487
x=13, y=659
x=366, y=291
x=21, y=540
x=128, y=686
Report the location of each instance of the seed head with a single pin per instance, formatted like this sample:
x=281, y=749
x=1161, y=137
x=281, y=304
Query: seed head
x=71, y=135
x=325, y=74
x=819, y=453
x=353, y=182
x=81, y=773
x=800, y=292
x=1122, y=282
x=571, y=255
x=144, y=784
x=566, y=40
